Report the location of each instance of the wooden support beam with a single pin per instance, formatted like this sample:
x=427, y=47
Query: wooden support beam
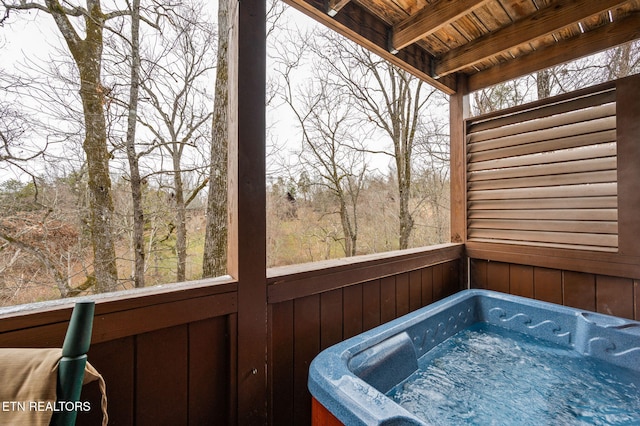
x=370, y=32
x=543, y=22
x=594, y=41
x=247, y=203
x=430, y=19
x=334, y=6
x=459, y=109
x=628, y=111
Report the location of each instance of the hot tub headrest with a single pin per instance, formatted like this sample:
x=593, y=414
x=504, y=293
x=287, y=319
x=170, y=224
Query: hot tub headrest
x=387, y=363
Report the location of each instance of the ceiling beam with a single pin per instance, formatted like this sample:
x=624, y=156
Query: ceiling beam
x=430, y=19
x=334, y=6
x=602, y=38
x=544, y=22
x=370, y=32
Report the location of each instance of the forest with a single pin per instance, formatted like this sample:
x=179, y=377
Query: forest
x=113, y=144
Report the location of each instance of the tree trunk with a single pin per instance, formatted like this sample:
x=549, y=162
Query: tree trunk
x=214, y=262
x=620, y=62
x=132, y=156
x=403, y=135
x=100, y=203
x=350, y=237
x=87, y=54
x=543, y=83
x=181, y=217
x=404, y=214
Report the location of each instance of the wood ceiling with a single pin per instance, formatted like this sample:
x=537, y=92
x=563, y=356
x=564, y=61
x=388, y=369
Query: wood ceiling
x=489, y=41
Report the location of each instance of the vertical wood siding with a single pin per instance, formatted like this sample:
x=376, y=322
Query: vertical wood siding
x=600, y=293
x=178, y=375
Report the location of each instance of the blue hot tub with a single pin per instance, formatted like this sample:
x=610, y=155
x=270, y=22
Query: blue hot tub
x=482, y=357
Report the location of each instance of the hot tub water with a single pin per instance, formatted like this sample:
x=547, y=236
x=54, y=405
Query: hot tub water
x=489, y=375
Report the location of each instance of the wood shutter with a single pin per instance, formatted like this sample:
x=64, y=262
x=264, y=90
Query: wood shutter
x=546, y=176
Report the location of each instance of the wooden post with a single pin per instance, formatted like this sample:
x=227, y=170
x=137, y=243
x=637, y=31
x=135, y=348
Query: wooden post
x=247, y=200
x=458, y=111
x=628, y=136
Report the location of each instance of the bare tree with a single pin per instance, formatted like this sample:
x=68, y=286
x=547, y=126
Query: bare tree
x=15, y=134
x=214, y=262
x=132, y=155
x=388, y=98
x=431, y=183
x=174, y=88
x=331, y=149
x=86, y=50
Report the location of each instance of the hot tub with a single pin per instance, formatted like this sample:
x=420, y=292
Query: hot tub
x=408, y=370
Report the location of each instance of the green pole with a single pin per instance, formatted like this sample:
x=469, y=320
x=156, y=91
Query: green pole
x=72, y=364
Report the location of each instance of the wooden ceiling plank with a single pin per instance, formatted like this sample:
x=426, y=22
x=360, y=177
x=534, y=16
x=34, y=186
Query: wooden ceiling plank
x=519, y=8
x=603, y=38
x=492, y=15
x=546, y=21
x=430, y=19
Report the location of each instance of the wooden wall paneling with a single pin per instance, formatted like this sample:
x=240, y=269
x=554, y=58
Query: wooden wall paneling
x=579, y=290
x=402, y=294
x=387, y=299
x=162, y=377
x=331, y=318
x=460, y=271
x=352, y=311
x=157, y=317
x=415, y=290
x=479, y=269
x=291, y=282
x=628, y=129
x=427, y=285
x=451, y=277
x=115, y=361
x=59, y=311
x=233, y=368
x=371, y=304
x=306, y=327
x=209, y=372
x=547, y=285
x=281, y=361
x=438, y=285
x=602, y=263
x=521, y=280
x=614, y=296
x=45, y=336
x=498, y=276
x=636, y=300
